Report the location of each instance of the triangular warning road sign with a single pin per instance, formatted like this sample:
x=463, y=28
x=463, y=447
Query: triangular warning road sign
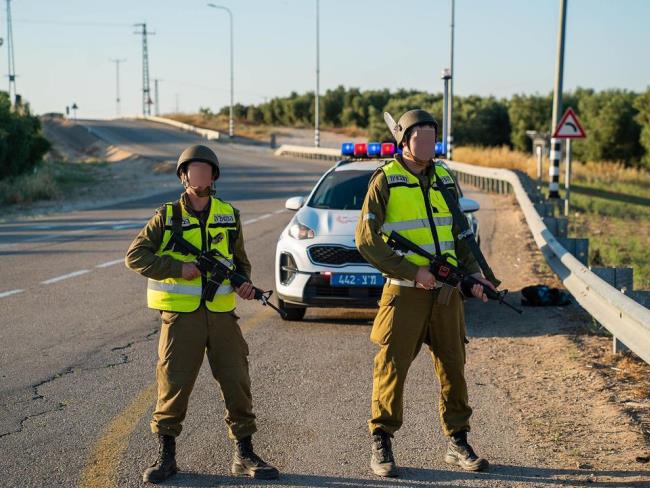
x=569, y=127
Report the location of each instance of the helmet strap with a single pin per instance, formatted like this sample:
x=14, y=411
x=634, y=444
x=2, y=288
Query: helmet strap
x=199, y=192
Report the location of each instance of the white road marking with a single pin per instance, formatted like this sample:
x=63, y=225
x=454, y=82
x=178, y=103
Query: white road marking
x=110, y=263
x=126, y=226
x=10, y=292
x=65, y=276
x=115, y=225
x=262, y=217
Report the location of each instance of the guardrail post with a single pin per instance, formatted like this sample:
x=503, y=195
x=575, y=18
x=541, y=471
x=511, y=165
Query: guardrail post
x=559, y=226
x=545, y=209
x=641, y=296
x=621, y=279
x=578, y=247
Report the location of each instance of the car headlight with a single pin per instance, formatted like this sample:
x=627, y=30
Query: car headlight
x=301, y=231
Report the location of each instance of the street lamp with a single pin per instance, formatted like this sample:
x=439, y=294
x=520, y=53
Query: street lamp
x=446, y=76
x=231, y=122
x=317, y=100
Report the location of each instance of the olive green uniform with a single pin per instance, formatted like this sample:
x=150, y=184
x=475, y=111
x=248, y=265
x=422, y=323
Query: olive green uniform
x=186, y=337
x=409, y=317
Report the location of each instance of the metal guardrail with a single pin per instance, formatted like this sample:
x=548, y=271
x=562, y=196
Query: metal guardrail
x=626, y=319
x=309, y=152
x=207, y=133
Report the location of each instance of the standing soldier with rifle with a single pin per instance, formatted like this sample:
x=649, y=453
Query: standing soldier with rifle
x=414, y=196
x=194, y=322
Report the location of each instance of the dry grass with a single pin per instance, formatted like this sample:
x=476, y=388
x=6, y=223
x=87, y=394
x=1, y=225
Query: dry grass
x=591, y=171
x=49, y=181
x=220, y=123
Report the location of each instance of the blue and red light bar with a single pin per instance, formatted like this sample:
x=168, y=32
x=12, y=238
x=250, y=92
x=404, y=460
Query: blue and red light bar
x=370, y=150
x=380, y=149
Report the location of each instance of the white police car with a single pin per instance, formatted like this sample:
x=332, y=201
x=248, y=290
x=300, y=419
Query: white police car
x=317, y=263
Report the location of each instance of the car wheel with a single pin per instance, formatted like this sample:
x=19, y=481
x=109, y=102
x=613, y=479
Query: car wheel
x=294, y=314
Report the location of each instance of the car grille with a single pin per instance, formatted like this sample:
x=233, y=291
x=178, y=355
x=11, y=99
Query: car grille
x=335, y=255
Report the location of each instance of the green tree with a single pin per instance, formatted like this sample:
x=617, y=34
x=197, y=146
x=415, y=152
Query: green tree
x=481, y=121
x=22, y=144
x=528, y=112
x=642, y=104
x=612, y=131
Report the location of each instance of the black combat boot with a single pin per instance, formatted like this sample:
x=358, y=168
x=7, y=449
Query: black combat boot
x=246, y=463
x=382, y=461
x=460, y=453
x=165, y=465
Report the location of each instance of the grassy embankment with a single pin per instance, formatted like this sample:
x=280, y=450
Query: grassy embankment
x=51, y=180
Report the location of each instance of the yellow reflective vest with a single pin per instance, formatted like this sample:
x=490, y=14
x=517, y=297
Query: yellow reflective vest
x=178, y=294
x=418, y=215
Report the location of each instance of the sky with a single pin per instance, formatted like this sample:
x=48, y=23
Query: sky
x=63, y=49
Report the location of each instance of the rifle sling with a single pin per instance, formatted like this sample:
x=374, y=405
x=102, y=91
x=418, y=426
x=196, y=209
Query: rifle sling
x=466, y=233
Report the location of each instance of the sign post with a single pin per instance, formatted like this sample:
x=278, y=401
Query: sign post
x=568, y=128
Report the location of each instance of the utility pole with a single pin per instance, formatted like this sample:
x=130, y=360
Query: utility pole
x=146, y=88
x=117, y=84
x=450, y=109
x=10, y=57
x=156, y=99
x=317, y=100
x=556, y=147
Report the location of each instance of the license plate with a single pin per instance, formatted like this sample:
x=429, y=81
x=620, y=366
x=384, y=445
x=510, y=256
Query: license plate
x=357, y=279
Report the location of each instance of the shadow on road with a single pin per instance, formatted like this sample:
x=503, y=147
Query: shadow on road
x=418, y=477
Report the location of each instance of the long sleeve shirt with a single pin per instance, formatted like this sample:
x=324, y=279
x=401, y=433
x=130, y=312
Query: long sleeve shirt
x=372, y=246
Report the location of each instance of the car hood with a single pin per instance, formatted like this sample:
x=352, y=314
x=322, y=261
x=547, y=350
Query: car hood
x=329, y=222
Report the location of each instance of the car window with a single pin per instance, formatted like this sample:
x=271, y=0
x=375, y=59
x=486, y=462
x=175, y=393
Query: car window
x=341, y=190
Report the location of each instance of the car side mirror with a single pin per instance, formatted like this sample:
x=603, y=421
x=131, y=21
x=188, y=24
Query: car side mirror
x=294, y=203
x=467, y=205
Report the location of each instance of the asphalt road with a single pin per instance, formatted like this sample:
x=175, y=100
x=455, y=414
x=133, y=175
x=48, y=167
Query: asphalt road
x=77, y=361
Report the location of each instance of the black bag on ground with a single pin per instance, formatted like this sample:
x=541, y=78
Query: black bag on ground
x=544, y=296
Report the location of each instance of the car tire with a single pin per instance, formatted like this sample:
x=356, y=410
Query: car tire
x=293, y=314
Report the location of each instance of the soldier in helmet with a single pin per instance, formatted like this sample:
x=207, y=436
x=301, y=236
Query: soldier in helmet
x=191, y=326
x=414, y=309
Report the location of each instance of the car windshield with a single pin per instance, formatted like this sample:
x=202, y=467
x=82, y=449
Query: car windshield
x=342, y=190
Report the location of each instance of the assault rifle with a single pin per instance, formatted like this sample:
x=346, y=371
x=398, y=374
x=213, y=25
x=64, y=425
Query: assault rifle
x=446, y=272
x=216, y=268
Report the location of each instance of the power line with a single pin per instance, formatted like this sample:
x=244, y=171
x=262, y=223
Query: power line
x=79, y=23
x=146, y=88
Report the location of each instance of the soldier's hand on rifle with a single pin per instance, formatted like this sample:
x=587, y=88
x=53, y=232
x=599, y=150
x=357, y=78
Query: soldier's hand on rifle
x=246, y=291
x=190, y=271
x=477, y=290
x=425, y=279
